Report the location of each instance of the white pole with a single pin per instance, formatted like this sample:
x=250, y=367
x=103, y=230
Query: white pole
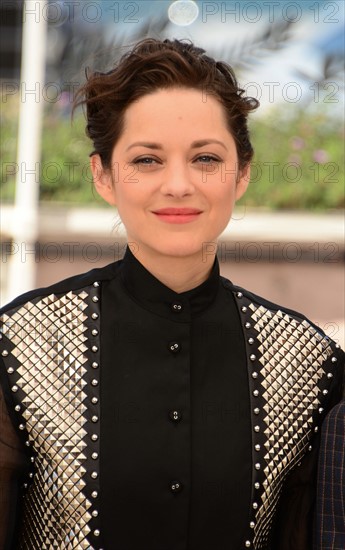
x=24, y=230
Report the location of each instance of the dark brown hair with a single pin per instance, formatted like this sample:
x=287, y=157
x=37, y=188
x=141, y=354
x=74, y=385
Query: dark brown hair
x=152, y=65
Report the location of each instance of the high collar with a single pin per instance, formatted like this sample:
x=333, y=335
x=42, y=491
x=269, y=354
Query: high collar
x=158, y=298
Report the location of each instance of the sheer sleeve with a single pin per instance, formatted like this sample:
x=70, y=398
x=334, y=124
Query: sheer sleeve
x=12, y=463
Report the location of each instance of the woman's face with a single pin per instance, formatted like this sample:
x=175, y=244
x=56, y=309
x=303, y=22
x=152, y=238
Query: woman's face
x=174, y=175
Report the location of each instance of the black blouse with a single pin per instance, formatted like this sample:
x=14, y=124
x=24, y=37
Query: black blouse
x=175, y=428
x=195, y=416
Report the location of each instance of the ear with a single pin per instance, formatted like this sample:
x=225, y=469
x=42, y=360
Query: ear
x=102, y=180
x=243, y=181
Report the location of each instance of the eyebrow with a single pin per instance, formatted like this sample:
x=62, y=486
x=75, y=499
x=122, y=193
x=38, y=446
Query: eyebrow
x=194, y=145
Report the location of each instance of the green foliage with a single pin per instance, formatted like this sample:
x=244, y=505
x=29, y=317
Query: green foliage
x=298, y=161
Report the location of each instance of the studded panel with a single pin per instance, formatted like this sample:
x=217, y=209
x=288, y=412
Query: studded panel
x=290, y=359
x=49, y=343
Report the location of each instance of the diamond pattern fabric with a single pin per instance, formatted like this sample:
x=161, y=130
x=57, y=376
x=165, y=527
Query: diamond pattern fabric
x=291, y=355
x=50, y=345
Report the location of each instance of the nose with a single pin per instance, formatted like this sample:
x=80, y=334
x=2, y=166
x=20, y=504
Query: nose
x=177, y=180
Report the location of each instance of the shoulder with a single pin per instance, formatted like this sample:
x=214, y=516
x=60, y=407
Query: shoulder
x=74, y=283
x=260, y=301
x=284, y=325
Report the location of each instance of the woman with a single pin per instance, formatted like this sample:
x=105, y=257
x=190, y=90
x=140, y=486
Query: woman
x=156, y=406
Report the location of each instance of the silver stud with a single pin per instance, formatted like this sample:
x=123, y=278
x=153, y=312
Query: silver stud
x=337, y=346
x=329, y=375
x=239, y=294
x=94, y=418
x=247, y=544
x=256, y=410
x=334, y=359
x=325, y=392
x=94, y=456
x=94, y=494
x=257, y=485
x=257, y=466
x=316, y=429
x=247, y=325
x=250, y=340
x=31, y=475
x=27, y=443
x=4, y=353
x=252, y=357
x=252, y=525
x=254, y=374
x=94, y=382
x=15, y=388
x=96, y=532
x=94, y=513
x=10, y=370
x=94, y=437
x=17, y=408
x=94, y=316
x=310, y=448
x=21, y=427
x=95, y=298
x=94, y=332
x=94, y=349
x=96, y=284
x=25, y=485
x=94, y=475
x=256, y=393
x=320, y=410
x=94, y=400
x=94, y=365
x=255, y=505
x=256, y=429
x=257, y=447
x=32, y=459
x=244, y=309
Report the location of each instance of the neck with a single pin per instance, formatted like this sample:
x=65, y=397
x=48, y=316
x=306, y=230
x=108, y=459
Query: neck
x=178, y=273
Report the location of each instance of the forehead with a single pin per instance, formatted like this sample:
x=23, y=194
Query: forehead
x=179, y=103
x=176, y=112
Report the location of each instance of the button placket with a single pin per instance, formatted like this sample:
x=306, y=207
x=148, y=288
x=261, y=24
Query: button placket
x=175, y=415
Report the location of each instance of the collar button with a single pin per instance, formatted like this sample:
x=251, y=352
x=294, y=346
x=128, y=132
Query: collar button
x=176, y=307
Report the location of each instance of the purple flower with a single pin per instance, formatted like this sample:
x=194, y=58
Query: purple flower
x=297, y=143
x=321, y=156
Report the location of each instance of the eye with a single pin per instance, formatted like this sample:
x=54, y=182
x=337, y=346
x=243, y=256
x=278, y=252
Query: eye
x=206, y=159
x=145, y=161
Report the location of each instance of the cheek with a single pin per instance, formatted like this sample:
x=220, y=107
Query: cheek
x=130, y=200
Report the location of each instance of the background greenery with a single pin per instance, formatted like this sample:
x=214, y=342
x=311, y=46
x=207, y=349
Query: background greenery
x=298, y=164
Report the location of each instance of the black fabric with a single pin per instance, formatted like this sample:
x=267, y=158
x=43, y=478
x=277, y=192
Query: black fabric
x=143, y=450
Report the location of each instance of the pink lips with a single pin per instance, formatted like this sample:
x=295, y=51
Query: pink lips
x=177, y=215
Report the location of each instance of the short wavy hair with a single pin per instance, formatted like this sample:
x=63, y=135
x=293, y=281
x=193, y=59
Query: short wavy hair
x=152, y=65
